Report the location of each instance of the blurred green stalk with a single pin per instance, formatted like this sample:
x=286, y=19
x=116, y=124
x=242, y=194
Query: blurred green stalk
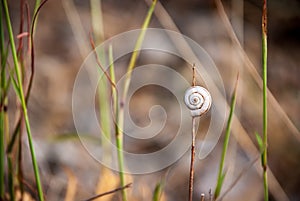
x=2, y=156
x=138, y=45
x=20, y=93
x=103, y=86
x=120, y=117
x=265, y=114
x=113, y=78
x=221, y=175
x=2, y=82
x=158, y=191
x=11, y=178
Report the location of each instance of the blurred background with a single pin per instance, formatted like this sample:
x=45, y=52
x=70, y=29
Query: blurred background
x=62, y=43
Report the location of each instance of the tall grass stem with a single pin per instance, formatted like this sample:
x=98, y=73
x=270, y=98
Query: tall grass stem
x=103, y=99
x=265, y=106
x=120, y=117
x=2, y=82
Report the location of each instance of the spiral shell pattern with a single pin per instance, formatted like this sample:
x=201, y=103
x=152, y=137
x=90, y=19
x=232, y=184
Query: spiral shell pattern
x=198, y=100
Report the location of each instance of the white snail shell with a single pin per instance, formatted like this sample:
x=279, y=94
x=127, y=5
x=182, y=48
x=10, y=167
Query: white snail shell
x=198, y=100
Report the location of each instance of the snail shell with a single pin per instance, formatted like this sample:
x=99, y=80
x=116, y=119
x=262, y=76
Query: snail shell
x=198, y=100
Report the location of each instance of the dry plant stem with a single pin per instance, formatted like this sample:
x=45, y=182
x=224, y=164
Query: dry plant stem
x=100, y=65
x=72, y=185
x=20, y=46
x=23, y=102
x=109, y=192
x=191, y=180
x=194, y=76
x=34, y=20
x=77, y=27
x=265, y=115
x=36, y=8
x=210, y=195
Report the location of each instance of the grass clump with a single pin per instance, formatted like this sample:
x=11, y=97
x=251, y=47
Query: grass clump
x=16, y=78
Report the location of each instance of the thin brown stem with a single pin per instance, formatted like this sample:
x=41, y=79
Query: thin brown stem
x=99, y=63
x=28, y=27
x=20, y=46
x=32, y=49
x=194, y=76
x=191, y=180
x=109, y=192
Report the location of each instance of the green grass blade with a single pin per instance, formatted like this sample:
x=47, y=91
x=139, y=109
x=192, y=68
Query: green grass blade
x=120, y=117
x=261, y=146
x=265, y=113
x=73, y=137
x=221, y=174
x=4, y=56
x=158, y=191
x=15, y=86
x=138, y=45
x=22, y=99
x=104, y=112
x=2, y=155
x=219, y=185
x=2, y=82
x=260, y=143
